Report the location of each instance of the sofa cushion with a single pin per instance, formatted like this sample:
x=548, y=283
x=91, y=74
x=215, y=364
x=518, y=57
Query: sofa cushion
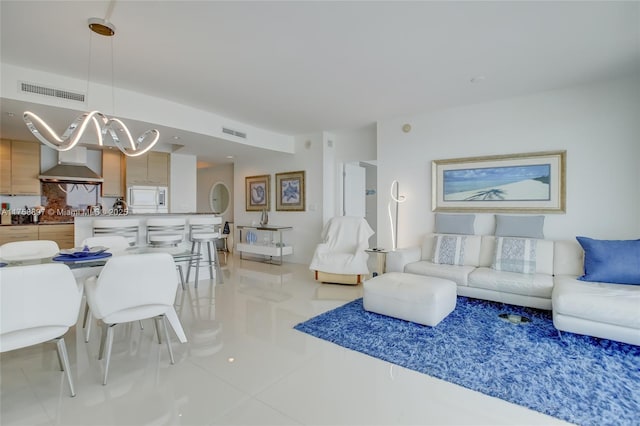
x=455, y=223
x=515, y=255
x=598, y=302
x=519, y=226
x=535, y=285
x=458, y=274
x=611, y=261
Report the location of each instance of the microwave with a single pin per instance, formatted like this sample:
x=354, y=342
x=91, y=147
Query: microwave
x=148, y=199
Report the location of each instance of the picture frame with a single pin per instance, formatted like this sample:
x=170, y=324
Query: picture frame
x=257, y=192
x=515, y=183
x=290, y=191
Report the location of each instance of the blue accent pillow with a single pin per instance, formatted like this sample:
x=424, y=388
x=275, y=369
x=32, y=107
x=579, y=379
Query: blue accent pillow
x=611, y=261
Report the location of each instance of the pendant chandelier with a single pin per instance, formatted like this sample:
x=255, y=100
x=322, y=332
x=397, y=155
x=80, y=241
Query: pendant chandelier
x=102, y=124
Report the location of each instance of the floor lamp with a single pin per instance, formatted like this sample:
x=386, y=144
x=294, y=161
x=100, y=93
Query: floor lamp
x=397, y=199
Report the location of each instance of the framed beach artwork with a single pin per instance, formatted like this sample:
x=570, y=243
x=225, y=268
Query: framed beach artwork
x=257, y=192
x=519, y=183
x=290, y=191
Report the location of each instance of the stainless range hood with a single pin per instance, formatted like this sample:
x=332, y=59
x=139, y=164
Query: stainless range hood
x=71, y=168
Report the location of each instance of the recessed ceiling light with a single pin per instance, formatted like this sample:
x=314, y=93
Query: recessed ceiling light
x=229, y=157
x=478, y=79
x=176, y=137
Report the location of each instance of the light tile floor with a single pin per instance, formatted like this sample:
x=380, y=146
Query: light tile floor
x=244, y=365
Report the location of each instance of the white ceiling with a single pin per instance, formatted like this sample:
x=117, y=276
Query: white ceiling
x=303, y=67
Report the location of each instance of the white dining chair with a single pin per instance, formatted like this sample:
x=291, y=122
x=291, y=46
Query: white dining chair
x=122, y=293
x=115, y=244
x=39, y=303
x=26, y=250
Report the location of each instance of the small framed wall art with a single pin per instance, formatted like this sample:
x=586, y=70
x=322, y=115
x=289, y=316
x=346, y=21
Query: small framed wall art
x=257, y=192
x=290, y=191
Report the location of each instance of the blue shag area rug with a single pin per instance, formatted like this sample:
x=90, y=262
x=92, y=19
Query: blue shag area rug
x=579, y=379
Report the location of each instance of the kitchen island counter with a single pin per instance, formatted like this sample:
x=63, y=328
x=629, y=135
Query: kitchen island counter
x=84, y=224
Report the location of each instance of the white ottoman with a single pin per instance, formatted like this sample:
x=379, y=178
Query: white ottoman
x=417, y=298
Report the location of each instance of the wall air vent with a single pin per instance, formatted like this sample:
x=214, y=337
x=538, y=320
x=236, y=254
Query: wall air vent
x=234, y=132
x=50, y=91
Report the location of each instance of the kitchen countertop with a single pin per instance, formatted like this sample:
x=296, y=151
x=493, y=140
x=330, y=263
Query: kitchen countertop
x=39, y=223
x=104, y=216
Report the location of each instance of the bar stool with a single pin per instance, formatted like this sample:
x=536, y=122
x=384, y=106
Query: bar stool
x=205, y=229
x=127, y=228
x=164, y=232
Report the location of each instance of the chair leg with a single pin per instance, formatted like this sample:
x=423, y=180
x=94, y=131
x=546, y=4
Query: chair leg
x=103, y=339
x=198, y=262
x=88, y=317
x=62, y=355
x=179, y=268
x=209, y=244
x=216, y=260
x=166, y=335
x=193, y=246
x=156, y=322
x=109, y=347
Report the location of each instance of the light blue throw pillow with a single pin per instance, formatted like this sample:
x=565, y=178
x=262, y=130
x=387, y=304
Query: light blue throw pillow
x=519, y=226
x=455, y=224
x=611, y=261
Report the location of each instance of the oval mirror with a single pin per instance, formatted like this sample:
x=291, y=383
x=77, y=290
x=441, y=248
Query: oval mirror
x=219, y=198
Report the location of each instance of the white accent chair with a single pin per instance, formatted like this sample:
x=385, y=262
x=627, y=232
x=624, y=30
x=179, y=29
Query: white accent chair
x=341, y=257
x=128, y=228
x=26, y=250
x=123, y=293
x=39, y=303
x=205, y=229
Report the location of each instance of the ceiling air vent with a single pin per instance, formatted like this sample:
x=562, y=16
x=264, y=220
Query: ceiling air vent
x=234, y=132
x=50, y=91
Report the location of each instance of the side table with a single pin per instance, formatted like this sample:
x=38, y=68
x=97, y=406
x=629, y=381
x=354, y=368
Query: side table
x=380, y=257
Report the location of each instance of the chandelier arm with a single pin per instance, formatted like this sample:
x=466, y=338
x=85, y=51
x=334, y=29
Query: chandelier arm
x=70, y=137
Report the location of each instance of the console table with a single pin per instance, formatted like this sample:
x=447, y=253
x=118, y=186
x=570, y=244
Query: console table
x=268, y=242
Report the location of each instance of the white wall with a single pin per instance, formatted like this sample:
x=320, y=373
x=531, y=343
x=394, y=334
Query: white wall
x=209, y=176
x=307, y=225
x=182, y=192
x=598, y=125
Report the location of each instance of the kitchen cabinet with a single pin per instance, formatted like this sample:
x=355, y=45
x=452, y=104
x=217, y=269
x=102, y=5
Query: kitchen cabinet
x=11, y=233
x=20, y=167
x=113, y=173
x=5, y=166
x=149, y=169
x=61, y=234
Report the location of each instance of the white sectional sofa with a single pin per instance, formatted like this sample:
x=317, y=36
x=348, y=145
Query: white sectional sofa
x=605, y=310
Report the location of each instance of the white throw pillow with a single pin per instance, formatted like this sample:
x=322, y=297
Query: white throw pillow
x=515, y=255
x=449, y=250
